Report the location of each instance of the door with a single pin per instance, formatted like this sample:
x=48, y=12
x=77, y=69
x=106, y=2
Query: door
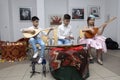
x=4, y=20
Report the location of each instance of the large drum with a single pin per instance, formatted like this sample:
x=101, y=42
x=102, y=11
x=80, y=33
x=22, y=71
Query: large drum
x=69, y=62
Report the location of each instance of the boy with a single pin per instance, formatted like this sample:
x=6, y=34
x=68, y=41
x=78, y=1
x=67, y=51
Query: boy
x=64, y=31
x=36, y=39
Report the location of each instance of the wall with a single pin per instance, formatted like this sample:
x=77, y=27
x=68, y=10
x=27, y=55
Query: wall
x=65, y=6
x=17, y=23
x=51, y=9
x=111, y=10
x=118, y=21
x=4, y=20
x=79, y=24
x=41, y=12
x=10, y=22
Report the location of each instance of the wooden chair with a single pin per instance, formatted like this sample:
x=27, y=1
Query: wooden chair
x=55, y=37
x=81, y=35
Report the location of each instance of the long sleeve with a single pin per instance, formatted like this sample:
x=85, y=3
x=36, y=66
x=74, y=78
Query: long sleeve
x=71, y=33
x=60, y=33
x=64, y=31
x=26, y=29
x=43, y=32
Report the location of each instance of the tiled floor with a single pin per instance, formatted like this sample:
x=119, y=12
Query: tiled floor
x=21, y=71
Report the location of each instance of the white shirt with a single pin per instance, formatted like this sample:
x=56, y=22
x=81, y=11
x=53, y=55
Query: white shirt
x=64, y=31
x=32, y=28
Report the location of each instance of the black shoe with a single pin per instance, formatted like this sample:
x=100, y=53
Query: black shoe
x=91, y=60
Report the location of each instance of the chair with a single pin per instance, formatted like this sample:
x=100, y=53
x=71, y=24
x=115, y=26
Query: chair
x=81, y=35
x=55, y=37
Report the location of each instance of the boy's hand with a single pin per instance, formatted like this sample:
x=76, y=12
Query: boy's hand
x=67, y=37
x=71, y=37
x=32, y=31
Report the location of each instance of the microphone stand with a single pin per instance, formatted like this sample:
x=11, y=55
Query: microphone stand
x=34, y=61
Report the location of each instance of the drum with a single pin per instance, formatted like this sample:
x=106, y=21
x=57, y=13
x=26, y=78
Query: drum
x=69, y=62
